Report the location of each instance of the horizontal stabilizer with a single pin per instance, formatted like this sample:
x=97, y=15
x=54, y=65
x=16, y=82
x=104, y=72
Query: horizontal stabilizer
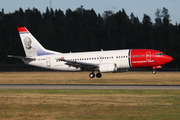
x=20, y=57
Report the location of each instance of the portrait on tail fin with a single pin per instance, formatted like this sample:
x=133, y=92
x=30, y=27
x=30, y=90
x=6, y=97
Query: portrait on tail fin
x=31, y=46
x=29, y=50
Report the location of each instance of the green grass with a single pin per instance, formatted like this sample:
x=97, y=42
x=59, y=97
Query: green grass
x=90, y=104
x=77, y=92
x=122, y=78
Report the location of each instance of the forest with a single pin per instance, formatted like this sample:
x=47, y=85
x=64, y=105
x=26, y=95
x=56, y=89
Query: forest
x=85, y=30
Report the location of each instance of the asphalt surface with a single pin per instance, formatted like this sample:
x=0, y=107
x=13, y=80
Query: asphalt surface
x=91, y=87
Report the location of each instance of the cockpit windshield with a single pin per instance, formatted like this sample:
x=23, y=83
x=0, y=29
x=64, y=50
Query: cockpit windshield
x=160, y=54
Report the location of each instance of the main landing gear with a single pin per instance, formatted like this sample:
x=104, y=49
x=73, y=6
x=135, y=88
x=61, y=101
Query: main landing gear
x=92, y=75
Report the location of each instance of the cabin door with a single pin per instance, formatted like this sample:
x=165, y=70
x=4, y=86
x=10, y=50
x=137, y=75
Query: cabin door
x=148, y=55
x=48, y=62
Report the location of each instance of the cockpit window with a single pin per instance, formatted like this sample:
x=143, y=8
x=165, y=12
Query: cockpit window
x=160, y=54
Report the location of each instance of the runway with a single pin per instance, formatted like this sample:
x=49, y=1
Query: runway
x=91, y=87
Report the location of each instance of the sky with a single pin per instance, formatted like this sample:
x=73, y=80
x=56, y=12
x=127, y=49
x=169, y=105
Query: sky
x=137, y=7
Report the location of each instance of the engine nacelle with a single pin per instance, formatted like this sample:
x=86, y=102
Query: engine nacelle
x=109, y=67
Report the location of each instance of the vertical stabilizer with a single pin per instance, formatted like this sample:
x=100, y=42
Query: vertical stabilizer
x=31, y=46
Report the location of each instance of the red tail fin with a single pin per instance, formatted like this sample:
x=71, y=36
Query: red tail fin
x=22, y=29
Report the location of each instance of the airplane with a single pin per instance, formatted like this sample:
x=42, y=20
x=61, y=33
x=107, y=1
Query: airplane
x=101, y=61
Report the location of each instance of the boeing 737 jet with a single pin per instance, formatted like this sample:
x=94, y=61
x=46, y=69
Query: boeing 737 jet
x=101, y=61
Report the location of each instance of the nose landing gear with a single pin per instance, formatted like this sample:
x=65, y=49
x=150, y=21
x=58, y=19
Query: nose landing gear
x=154, y=71
x=92, y=75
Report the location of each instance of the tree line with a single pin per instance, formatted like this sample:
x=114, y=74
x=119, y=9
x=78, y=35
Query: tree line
x=85, y=30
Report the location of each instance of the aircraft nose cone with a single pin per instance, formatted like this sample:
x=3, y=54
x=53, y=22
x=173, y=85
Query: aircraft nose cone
x=169, y=58
x=165, y=59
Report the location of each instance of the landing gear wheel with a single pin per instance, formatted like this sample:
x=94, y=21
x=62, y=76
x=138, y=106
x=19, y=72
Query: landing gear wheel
x=98, y=75
x=154, y=71
x=91, y=75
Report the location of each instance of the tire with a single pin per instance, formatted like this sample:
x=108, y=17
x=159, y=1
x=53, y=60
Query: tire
x=98, y=75
x=154, y=71
x=91, y=75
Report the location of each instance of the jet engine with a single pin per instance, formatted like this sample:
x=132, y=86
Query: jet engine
x=110, y=67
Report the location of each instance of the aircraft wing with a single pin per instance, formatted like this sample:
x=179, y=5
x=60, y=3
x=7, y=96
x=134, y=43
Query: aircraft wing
x=20, y=57
x=77, y=64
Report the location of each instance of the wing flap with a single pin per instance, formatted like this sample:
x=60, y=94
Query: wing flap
x=78, y=64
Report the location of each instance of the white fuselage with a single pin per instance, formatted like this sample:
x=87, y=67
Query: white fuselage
x=119, y=57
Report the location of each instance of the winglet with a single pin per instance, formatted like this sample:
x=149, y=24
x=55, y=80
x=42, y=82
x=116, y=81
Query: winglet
x=22, y=29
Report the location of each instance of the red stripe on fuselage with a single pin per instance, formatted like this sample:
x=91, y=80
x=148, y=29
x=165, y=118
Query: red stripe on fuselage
x=144, y=58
